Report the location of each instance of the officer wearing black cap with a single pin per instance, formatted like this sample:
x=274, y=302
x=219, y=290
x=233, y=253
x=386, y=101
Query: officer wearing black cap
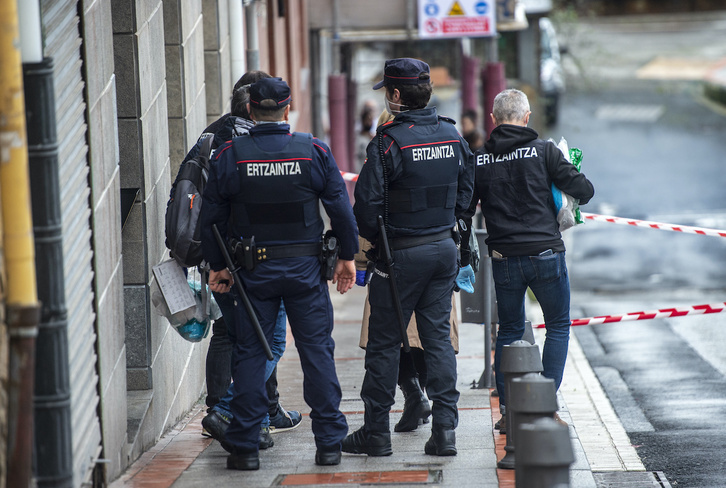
x=419, y=177
x=268, y=184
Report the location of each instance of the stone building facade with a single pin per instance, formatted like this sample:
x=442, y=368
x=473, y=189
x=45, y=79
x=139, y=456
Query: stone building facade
x=135, y=83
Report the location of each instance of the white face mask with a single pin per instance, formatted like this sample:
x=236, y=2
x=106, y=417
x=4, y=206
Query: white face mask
x=393, y=107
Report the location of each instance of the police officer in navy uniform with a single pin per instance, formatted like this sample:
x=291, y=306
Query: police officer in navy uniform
x=268, y=184
x=419, y=177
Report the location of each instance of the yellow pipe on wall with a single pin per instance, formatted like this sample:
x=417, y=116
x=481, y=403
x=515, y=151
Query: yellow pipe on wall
x=17, y=222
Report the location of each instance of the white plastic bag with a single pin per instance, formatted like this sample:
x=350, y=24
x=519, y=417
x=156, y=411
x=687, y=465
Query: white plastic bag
x=192, y=323
x=565, y=205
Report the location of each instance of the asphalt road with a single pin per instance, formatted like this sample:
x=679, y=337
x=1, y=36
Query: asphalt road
x=654, y=150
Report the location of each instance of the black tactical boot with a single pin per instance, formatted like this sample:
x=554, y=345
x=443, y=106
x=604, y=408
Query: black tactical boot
x=363, y=441
x=245, y=461
x=441, y=443
x=415, y=407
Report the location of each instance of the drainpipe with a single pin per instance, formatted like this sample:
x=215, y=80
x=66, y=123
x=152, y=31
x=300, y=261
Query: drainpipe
x=338, y=103
x=53, y=444
x=411, y=16
x=237, y=40
x=22, y=308
x=253, y=47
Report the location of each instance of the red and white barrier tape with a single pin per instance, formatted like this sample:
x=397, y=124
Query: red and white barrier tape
x=655, y=225
x=349, y=176
x=655, y=314
x=619, y=220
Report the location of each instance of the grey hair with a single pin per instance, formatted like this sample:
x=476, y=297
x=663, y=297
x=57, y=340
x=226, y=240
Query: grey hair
x=509, y=106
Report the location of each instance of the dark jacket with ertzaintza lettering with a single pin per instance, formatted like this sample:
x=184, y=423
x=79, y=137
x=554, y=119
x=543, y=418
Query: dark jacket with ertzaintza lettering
x=271, y=183
x=430, y=176
x=514, y=173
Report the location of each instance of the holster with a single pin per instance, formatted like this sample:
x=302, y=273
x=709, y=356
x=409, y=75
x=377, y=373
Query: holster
x=329, y=255
x=243, y=252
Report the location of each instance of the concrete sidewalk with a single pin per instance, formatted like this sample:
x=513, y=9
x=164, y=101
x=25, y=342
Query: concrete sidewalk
x=183, y=458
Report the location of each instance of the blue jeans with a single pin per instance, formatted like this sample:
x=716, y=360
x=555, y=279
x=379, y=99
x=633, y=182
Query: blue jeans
x=278, y=349
x=547, y=277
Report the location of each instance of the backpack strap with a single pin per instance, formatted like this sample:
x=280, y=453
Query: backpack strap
x=206, y=150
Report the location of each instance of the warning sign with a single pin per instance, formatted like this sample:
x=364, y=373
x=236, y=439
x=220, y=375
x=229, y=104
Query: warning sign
x=456, y=18
x=456, y=9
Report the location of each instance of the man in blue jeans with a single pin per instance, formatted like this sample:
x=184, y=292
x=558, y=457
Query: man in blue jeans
x=514, y=173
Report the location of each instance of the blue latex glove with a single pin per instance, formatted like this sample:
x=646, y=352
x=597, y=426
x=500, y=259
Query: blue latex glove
x=466, y=279
x=360, y=277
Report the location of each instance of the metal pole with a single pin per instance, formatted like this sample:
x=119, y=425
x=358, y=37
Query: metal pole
x=21, y=299
x=494, y=82
x=338, y=112
x=253, y=47
x=485, y=264
x=336, y=37
x=469, y=90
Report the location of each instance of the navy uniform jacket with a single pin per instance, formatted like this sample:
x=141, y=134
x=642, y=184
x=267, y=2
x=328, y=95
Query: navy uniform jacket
x=326, y=180
x=425, y=127
x=514, y=173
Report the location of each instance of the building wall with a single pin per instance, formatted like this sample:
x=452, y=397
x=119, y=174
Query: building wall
x=158, y=49
x=136, y=83
x=103, y=157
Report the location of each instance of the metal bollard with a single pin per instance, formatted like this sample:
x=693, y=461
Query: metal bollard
x=518, y=359
x=531, y=397
x=544, y=454
x=528, y=332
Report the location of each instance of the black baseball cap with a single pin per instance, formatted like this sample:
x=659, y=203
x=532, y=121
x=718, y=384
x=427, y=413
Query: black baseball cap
x=404, y=71
x=274, y=89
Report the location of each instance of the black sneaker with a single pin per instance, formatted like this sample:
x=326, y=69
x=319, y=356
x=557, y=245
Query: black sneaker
x=364, y=442
x=284, y=420
x=216, y=424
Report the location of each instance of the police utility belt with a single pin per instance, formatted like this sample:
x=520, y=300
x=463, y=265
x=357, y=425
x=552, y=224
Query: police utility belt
x=399, y=243
x=247, y=254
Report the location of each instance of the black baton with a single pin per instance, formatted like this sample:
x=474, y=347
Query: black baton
x=388, y=260
x=242, y=293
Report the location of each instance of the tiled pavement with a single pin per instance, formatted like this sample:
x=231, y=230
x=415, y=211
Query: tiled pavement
x=183, y=458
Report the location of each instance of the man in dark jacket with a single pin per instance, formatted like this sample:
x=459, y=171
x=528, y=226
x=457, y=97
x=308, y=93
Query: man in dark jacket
x=269, y=184
x=219, y=355
x=419, y=177
x=514, y=173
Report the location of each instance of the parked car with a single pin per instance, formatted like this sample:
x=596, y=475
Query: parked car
x=552, y=77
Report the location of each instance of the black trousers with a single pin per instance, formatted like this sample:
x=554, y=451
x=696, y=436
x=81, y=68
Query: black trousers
x=425, y=277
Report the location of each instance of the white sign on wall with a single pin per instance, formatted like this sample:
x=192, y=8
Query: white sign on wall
x=456, y=18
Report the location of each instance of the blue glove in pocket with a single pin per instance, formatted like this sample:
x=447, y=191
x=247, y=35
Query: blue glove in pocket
x=466, y=279
x=360, y=277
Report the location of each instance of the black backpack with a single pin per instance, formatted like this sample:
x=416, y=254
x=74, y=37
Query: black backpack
x=183, y=225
